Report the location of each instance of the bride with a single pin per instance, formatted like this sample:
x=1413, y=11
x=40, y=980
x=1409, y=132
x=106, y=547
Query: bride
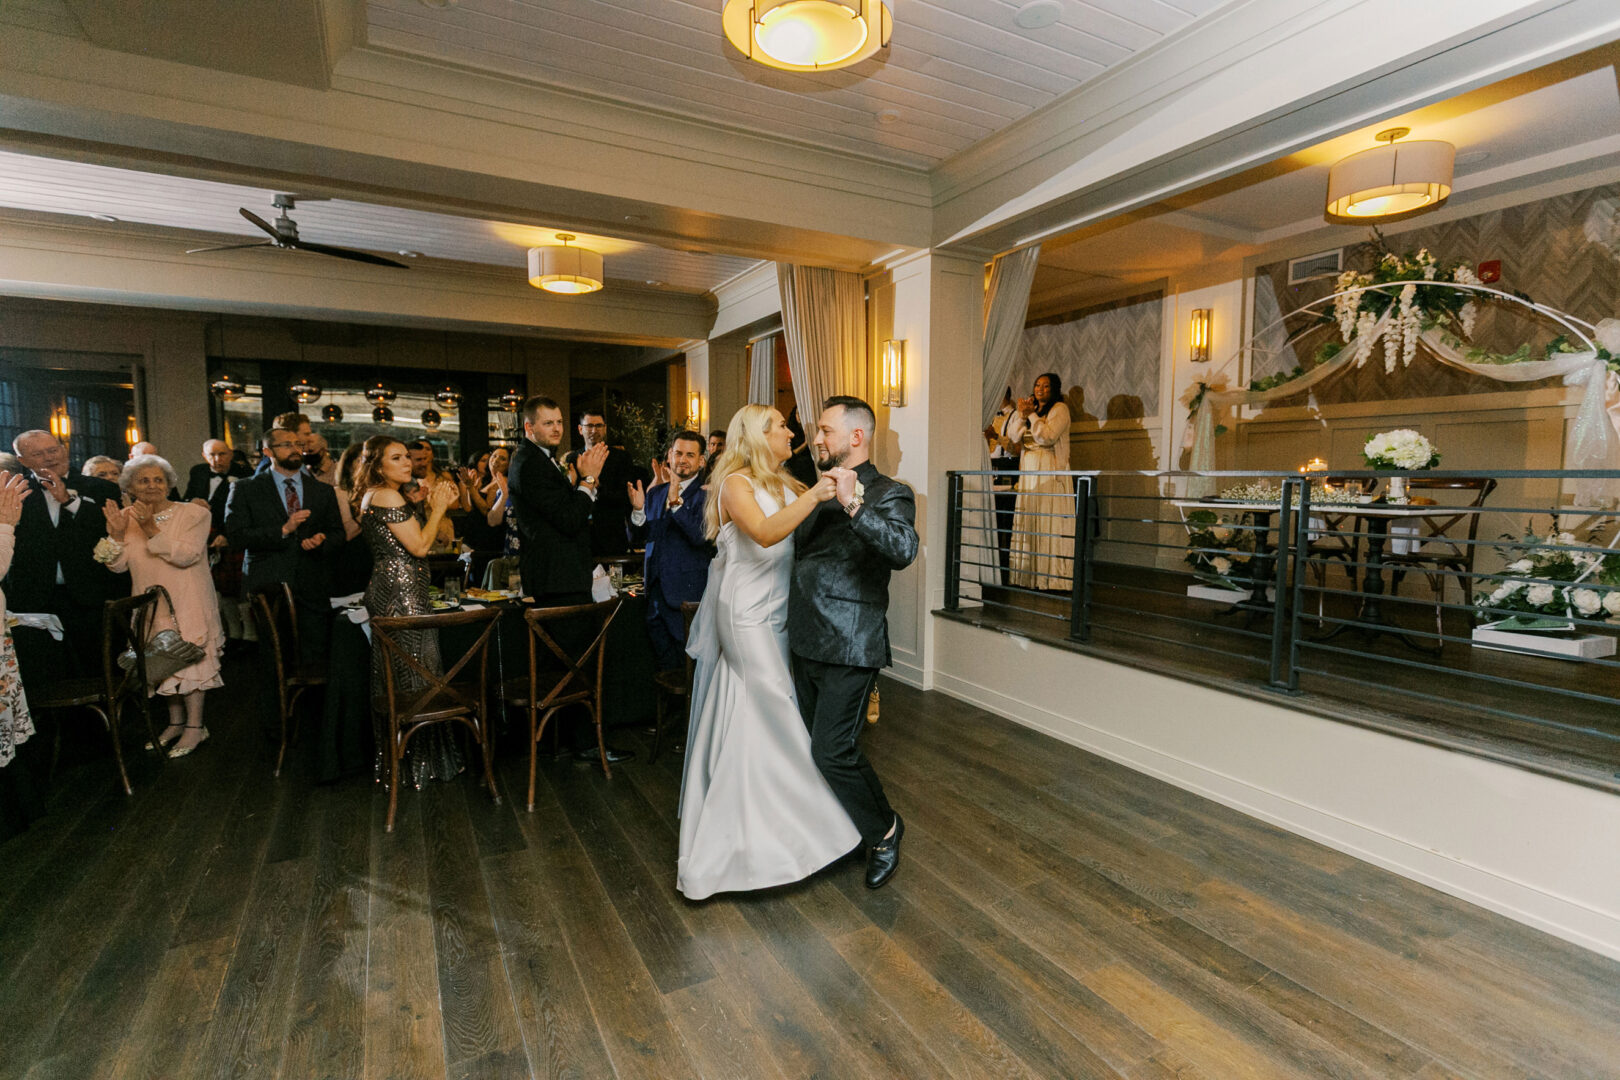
x=755, y=811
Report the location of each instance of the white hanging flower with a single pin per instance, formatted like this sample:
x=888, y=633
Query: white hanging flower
x=1611, y=603
x=1540, y=595
x=1466, y=317
x=1364, y=337
x=1586, y=601
x=1220, y=564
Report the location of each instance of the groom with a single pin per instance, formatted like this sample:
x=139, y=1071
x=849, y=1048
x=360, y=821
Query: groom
x=838, y=617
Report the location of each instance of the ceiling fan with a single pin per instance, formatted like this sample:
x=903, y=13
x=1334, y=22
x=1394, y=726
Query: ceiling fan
x=284, y=235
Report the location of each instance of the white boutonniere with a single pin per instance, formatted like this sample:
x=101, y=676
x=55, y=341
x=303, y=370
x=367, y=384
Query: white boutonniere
x=72, y=494
x=860, y=490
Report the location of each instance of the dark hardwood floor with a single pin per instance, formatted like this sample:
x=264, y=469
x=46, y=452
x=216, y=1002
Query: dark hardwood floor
x=1054, y=915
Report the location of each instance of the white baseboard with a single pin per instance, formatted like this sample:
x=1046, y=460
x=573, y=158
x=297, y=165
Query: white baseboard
x=1452, y=825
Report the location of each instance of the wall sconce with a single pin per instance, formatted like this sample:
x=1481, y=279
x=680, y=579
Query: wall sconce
x=132, y=432
x=892, y=381
x=694, y=410
x=1203, y=328
x=61, y=426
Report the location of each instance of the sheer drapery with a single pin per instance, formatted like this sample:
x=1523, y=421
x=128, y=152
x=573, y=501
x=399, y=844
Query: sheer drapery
x=824, y=324
x=762, y=371
x=1006, y=302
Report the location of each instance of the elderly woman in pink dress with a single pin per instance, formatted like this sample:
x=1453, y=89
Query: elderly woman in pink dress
x=166, y=543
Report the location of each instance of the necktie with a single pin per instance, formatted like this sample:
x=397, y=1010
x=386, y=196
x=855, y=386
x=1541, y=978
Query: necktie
x=292, y=498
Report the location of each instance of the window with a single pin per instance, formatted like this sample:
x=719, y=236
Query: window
x=10, y=424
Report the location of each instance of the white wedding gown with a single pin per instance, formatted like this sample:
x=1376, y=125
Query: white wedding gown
x=755, y=811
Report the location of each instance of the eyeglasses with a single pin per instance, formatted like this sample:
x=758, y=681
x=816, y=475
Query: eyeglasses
x=281, y=445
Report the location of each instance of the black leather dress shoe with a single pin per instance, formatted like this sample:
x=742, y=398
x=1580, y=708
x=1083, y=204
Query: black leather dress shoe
x=884, y=857
x=614, y=756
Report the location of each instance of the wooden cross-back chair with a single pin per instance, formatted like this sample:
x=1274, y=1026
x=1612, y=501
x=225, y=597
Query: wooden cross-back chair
x=277, y=615
x=126, y=621
x=578, y=680
x=1338, y=539
x=441, y=698
x=1435, y=552
x=673, y=686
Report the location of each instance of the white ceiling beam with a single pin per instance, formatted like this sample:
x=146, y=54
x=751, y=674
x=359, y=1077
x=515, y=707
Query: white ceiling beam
x=147, y=268
x=1251, y=84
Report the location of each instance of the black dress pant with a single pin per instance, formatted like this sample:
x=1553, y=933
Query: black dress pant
x=832, y=699
x=1006, y=500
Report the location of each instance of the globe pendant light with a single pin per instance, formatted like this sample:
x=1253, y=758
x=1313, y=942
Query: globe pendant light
x=808, y=35
x=227, y=387
x=382, y=414
x=1391, y=179
x=304, y=392
x=332, y=414
x=512, y=401
x=449, y=398
x=559, y=268
x=431, y=419
x=380, y=394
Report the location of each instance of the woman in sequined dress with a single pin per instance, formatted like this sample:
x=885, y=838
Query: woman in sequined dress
x=399, y=543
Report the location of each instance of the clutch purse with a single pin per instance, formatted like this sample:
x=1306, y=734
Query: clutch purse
x=166, y=651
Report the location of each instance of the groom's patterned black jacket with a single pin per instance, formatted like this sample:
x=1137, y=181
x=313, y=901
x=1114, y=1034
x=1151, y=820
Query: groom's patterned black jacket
x=839, y=605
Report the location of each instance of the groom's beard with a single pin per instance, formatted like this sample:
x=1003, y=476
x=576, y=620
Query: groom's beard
x=831, y=461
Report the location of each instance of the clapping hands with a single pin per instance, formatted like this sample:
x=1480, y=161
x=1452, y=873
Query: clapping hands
x=442, y=495
x=13, y=490
x=117, y=520
x=638, y=495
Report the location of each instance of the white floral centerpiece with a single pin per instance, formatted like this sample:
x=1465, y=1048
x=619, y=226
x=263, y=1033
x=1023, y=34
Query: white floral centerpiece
x=1219, y=551
x=1402, y=449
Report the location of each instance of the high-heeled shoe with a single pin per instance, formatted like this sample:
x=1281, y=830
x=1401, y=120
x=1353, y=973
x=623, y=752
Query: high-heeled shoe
x=166, y=743
x=182, y=751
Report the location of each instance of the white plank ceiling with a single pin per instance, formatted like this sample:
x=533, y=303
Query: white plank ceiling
x=56, y=186
x=957, y=70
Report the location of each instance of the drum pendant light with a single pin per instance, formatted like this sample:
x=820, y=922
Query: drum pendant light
x=564, y=269
x=1393, y=179
x=808, y=35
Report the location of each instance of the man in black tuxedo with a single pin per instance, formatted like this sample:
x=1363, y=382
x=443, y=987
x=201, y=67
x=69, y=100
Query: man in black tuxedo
x=553, y=512
x=210, y=482
x=838, y=610
x=286, y=524
x=53, y=568
x=668, y=519
x=611, y=515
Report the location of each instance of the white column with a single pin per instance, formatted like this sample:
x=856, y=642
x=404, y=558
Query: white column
x=935, y=303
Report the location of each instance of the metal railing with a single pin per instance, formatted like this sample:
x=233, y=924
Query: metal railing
x=1485, y=612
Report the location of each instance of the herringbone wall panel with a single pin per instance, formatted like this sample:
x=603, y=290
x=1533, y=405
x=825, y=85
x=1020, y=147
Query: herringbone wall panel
x=1108, y=358
x=1563, y=251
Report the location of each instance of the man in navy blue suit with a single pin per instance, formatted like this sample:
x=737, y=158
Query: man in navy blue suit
x=668, y=517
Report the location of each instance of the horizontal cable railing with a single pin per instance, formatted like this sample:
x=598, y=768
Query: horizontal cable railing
x=1483, y=606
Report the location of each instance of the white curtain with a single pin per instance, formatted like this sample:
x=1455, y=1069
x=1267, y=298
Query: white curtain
x=762, y=371
x=1006, y=302
x=824, y=323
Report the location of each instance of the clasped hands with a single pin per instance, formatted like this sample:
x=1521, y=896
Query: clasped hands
x=836, y=483
x=119, y=519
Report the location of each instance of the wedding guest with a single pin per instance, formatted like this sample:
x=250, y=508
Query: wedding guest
x=1043, y=542
x=500, y=501
x=289, y=529
x=611, y=515
x=553, y=513
x=1004, y=455
x=9, y=465
x=424, y=477
x=209, y=484
x=161, y=542
x=101, y=467
x=142, y=449
x=18, y=803
x=801, y=465
x=52, y=569
x=297, y=425
x=345, y=477
x=717, y=445
x=475, y=479
x=399, y=546
x=352, y=571
x=668, y=519
x=318, y=458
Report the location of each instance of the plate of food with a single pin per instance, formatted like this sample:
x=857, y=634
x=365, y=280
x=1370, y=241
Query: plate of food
x=445, y=605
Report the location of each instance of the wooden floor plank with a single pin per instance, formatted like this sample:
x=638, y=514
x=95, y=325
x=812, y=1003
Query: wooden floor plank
x=326, y=1033
x=404, y=1033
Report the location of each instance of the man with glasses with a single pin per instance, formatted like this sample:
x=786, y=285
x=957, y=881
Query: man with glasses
x=286, y=524
x=612, y=517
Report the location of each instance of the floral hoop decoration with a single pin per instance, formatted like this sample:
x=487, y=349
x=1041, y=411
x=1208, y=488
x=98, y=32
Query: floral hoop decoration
x=1416, y=308
x=1402, y=449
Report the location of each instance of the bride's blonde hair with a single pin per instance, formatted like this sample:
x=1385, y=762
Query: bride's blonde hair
x=748, y=452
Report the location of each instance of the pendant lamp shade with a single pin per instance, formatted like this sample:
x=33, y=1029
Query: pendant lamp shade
x=449, y=397
x=808, y=35
x=431, y=419
x=227, y=387
x=380, y=394
x=512, y=400
x=1396, y=178
x=563, y=268
x=332, y=414
x=382, y=414
x=303, y=391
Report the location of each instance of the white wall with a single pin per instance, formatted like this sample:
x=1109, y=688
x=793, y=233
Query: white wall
x=1532, y=848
